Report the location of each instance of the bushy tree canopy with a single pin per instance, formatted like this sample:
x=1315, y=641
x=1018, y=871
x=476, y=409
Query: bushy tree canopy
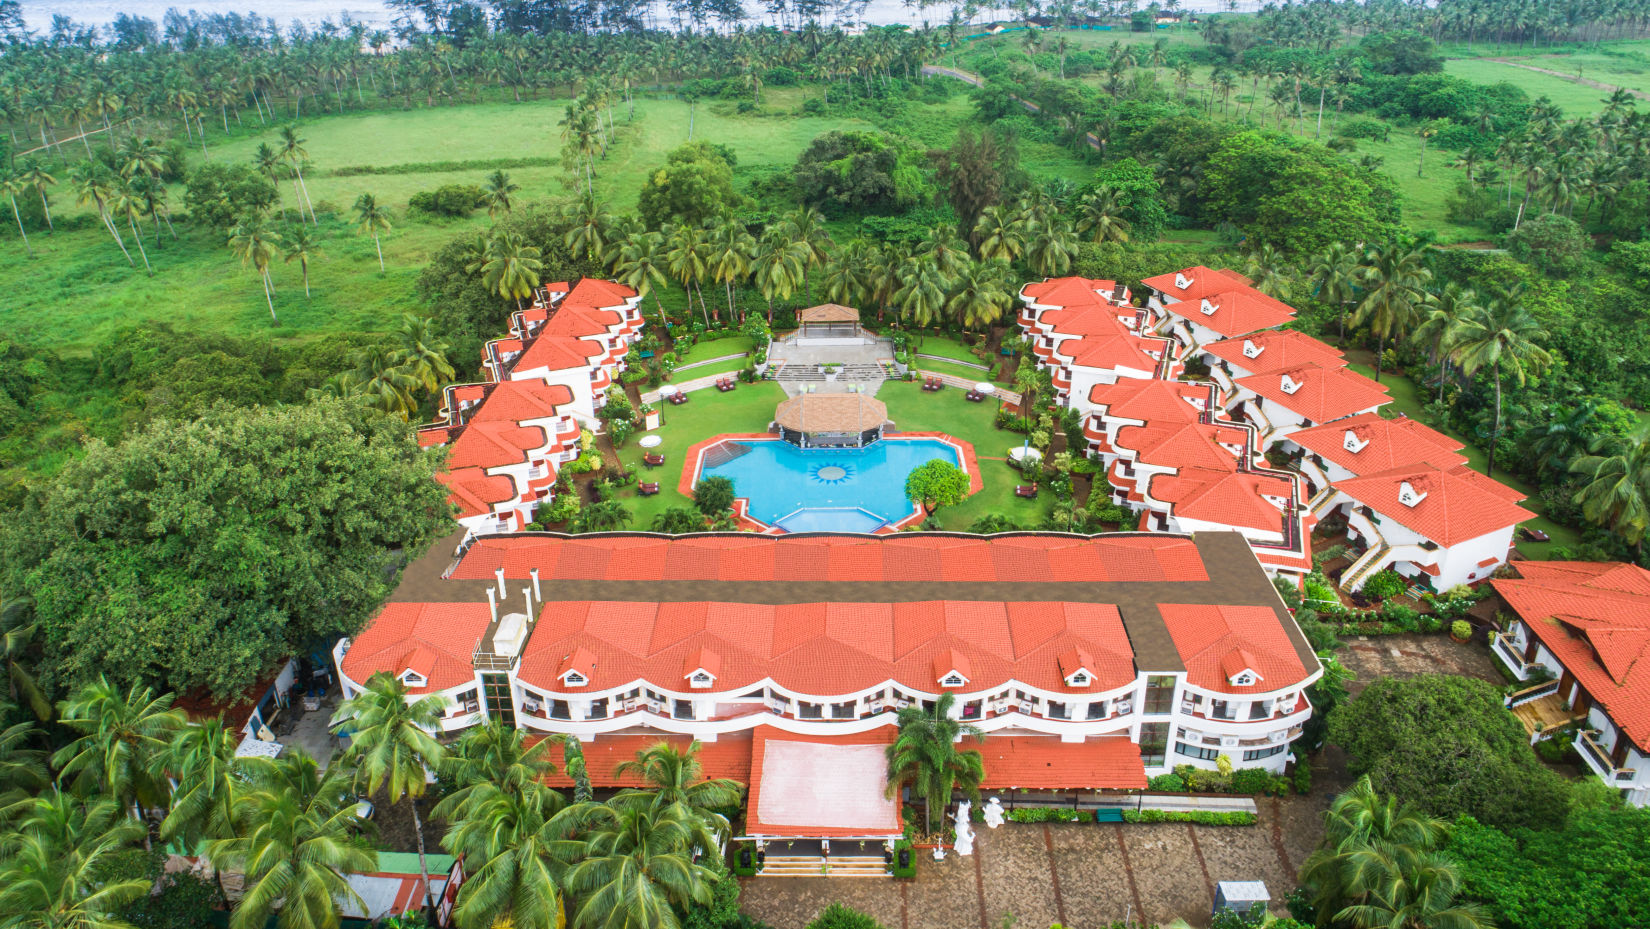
x=695, y=184
x=1295, y=195
x=195, y=555
x=860, y=171
x=935, y=484
x=222, y=193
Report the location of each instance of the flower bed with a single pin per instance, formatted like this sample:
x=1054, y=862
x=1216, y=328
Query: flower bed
x=1200, y=817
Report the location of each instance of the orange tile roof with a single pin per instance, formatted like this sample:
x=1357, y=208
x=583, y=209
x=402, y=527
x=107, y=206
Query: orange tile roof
x=1068, y=291
x=517, y=401
x=1090, y=319
x=1236, y=312
x=1325, y=394
x=831, y=647
x=1279, y=348
x=1108, y=353
x=907, y=558
x=593, y=291
x=1182, y=445
x=1231, y=498
x=494, y=443
x=1207, y=636
x=1204, y=281
x=727, y=757
x=1046, y=763
x=474, y=491
x=1595, y=619
x=558, y=353
x=436, y=640
x=1391, y=443
x=1151, y=400
x=1458, y=504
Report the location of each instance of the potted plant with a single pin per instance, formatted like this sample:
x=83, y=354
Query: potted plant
x=1460, y=630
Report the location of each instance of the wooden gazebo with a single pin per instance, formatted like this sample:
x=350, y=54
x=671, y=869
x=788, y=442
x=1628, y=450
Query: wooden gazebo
x=829, y=320
x=851, y=420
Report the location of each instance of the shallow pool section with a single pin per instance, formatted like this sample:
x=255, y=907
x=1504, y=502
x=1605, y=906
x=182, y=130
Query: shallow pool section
x=824, y=489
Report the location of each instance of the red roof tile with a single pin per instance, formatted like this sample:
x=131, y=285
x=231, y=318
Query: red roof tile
x=1206, y=636
x=1183, y=445
x=559, y=353
x=1235, y=312
x=1203, y=281
x=1323, y=394
x=1390, y=443
x=1151, y=400
x=1068, y=291
x=727, y=757
x=1046, y=763
x=495, y=443
x=474, y=491
x=1456, y=506
x=436, y=640
x=1595, y=619
x=1280, y=348
x=1231, y=498
x=518, y=401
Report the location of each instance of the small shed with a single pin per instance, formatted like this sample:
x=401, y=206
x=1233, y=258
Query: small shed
x=829, y=320
x=1240, y=896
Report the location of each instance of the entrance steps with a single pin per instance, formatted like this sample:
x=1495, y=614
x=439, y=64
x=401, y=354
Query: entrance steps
x=814, y=866
x=848, y=373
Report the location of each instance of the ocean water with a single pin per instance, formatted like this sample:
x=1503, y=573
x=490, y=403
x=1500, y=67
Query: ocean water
x=840, y=490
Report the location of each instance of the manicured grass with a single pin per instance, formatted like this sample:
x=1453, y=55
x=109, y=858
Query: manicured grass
x=952, y=368
x=945, y=348
x=1575, y=99
x=749, y=408
x=705, y=350
x=1408, y=399
x=705, y=370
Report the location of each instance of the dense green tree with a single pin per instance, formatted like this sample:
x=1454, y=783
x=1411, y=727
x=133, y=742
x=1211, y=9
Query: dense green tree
x=1295, y=195
x=1616, y=492
x=1499, y=337
x=221, y=194
x=189, y=555
x=976, y=173
x=57, y=872
x=677, y=520
x=713, y=495
x=926, y=758
x=637, y=864
x=694, y=184
x=860, y=171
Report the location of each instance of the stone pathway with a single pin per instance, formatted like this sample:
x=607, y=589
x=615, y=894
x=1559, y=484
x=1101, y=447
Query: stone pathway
x=1075, y=875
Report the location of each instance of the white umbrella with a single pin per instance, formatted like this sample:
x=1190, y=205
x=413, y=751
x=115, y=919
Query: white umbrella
x=985, y=387
x=650, y=441
x=669, y=390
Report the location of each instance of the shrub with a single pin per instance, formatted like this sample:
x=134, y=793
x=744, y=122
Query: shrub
x=1385, y=583
x=220, y=194
x=1364, y=127
x=1401, y=616
x=713, y=495
x=1251, y=781
x=1046, y=814
x=1556, y=749
x=837, y=916
x=1200, y=817
x=1303, y=776
x=1460, y=629
x=1169, y=783
x=677, y=520
x=447, y=200
x=1553, y=243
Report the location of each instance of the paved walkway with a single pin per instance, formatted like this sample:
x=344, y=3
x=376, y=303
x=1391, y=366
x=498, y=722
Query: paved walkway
x=1072, y=874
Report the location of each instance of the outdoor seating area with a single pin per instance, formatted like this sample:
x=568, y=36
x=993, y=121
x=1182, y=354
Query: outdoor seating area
x=723, y=384
x=647, y=489
x=678, y=398
x=653, y=460
x=1029, y=491
x=974, y=396
x=932, y=384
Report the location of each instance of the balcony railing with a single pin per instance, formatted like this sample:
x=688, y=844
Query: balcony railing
x=1531, y=693
x=1504, y=650
x=1600, y=759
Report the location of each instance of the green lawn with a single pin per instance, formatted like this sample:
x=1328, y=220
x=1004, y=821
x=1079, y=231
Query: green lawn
x=1575, y=99
x=750, y=408
x=1407, y=399
x=705, y=370
x=945, y=348
x=951, y=368
x=706, y=350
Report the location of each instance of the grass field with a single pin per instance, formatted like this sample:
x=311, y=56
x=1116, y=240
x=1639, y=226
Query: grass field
x=1573, y=98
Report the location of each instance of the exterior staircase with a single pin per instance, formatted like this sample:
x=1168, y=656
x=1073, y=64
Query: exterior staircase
x=847, y=373
x=1365, y=567
x=815, y=866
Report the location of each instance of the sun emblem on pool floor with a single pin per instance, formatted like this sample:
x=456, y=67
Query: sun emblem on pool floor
x=832, y=474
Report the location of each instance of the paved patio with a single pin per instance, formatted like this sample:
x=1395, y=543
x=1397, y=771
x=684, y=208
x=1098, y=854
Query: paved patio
x=1072, y=874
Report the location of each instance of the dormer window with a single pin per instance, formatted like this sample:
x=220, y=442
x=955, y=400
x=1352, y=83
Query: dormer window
x=1181, y=281
x=1244, y=679
x=1080, y=679
x=1354, y=444
x=1289, y=384
x=700, y=679
x=1408, y=495
x=413, y=679
x=574, y=679
x=1209, y=308
x=1251, y=350
x=953, y=680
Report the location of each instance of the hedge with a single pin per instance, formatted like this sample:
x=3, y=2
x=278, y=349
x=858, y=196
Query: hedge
x=1046, y=814
x=1200, y=817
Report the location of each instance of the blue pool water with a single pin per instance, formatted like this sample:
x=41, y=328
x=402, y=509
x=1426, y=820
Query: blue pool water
x=826, y=490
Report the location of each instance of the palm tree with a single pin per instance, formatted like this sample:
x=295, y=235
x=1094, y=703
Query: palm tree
x=1419, y=896
x=642, y=265
x=57, y=873
x=1617, y=492
x=390, y=744
x=1500, y=337
x=587, y=237
x=121, y=738
x=292, y=151
x=731, y=246
x=1445, y=310
x=492, y=754
x=517, y=839
x=297, y=837
x=1367, y=839
x=776, y=265
x=37, y=177
x=1564, y=437
x=673, y=776
x=301, y=246
x=1394, y=281
x=22, y=769
x=687, y=261
x=128, y=201
x=383, y=380
x=1051, y=245
x=255, y=246
x=270, y=164
x=511, y=268
x=423, y=353
x=11, y=185
x=920, y=296
x=1101, y=217
x=807, y=229
x=17, y=631
x=638, y=863
x=374, y=220
x=209, y=779
x=999, y=235
x=925, y=757
x=1335, y=279
x=93, y=184
x=981, y=294
x=496, y=191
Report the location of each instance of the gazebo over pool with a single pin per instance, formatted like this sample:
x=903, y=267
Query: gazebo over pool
x=829, y=320
x=846, y=420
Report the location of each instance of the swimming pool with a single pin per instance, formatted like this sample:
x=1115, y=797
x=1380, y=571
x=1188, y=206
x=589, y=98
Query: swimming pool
x=824, y=489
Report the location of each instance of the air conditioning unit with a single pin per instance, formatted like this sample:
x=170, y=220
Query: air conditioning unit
x=1278, y=736
x=1228, y=741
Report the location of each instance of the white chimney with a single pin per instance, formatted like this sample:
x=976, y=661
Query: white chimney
x=527, y=597
x=499, y=573
x=492, y=604
x=535, y=575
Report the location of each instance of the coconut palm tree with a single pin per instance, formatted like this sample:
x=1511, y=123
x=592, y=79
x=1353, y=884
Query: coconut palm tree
x=981, y=294
x=642, y=265
x=1421, y=895
x=254, y=245
x=1564, y=437
x=374, y=220
x=1394, y=279
x=511, y=268
x=1050, y=247
x=492, y=754
x=806, y=226
x=1501, y=337
x=38, y=178
x=423, y=352
x=920, y=294
x=587, y=236
x=731, y=246
x=292, y=151
x=57, y=870
x=1368, y=841
x=128, y=201
x=17, y=631
x=1444, y=312
x=517, y=840
x=382, y=380
x=925, y=757
x=269, y=163
x=675, y=776
x=22, y=769
x=1617, y=493
x=121, y=738
x=999, y=235
x=776, y=265
x=638, y=864
x=301, y=246
x=496, y=191
x=93, y=183
x=1101, y=217
x=1334, y=278
x=391, y=745
x=11, y=185
x=687, y=258
x=297, y=838
x=209, y=779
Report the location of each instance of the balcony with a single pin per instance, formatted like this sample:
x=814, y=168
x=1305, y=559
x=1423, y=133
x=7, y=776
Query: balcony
x=1505, y=649
x=1599, y=760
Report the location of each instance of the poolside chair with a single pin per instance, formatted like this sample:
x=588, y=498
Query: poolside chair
x=652, y=460
x=1028, y=491
x=647, y=489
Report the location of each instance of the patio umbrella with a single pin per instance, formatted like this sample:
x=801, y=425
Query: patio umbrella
x=985, y=387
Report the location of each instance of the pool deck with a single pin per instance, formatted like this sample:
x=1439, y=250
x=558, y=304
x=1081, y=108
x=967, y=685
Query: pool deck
x=693, y=464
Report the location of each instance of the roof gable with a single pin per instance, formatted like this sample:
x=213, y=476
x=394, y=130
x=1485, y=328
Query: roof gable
x=1447, y=505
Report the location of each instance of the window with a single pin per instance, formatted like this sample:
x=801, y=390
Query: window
x=810, y=710
x=1259, y=753
x=1154, y=738
x=699, y=679
x=684, y=709
x=598, y=709
x=952, y=680
x=467, y=701
x=1193, y=751
x=1097, y=710
x=1221, y=709
x=1259, y=710
x=574, y=679
x=1159, y=694
x=842, y=710
x=1079, y=679
x=1057, y=710
x=558, y=710
x=496, y=688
